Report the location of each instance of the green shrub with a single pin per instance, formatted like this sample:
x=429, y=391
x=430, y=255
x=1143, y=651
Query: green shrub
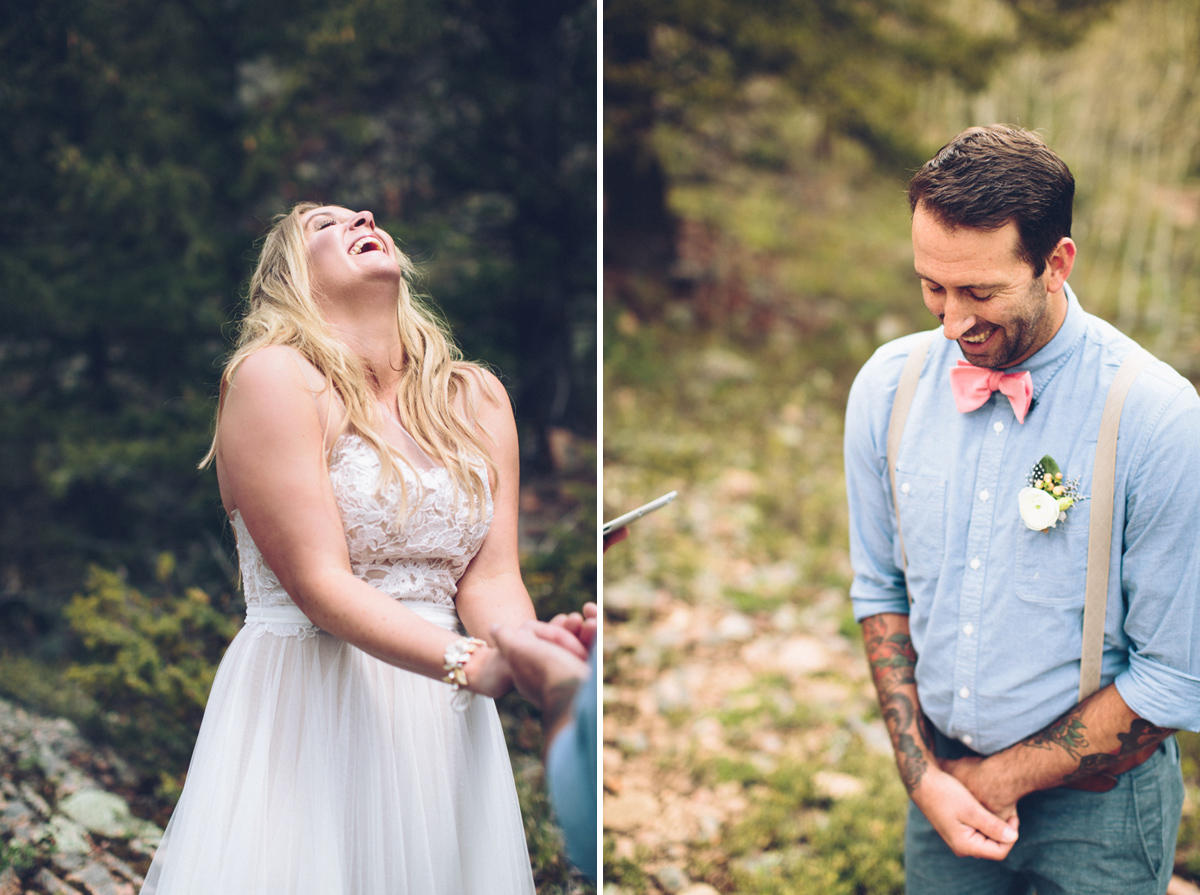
x=151, y=663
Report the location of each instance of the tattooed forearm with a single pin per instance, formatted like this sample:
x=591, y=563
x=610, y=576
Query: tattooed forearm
x=892, y=657
x=901, y=717
x=1068, y=733
x=1141, y=734
x=1141, y=737
x=893, y=666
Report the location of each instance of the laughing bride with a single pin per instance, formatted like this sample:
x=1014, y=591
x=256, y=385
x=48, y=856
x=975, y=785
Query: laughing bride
x=351, y=745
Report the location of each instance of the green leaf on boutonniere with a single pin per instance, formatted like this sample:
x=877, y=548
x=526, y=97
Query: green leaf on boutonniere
x=1048, y=466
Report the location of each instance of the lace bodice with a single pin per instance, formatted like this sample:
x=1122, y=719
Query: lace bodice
x=417, y=555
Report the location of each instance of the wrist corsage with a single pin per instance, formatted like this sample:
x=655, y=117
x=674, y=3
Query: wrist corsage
x=1045, y=502
x=456, y=657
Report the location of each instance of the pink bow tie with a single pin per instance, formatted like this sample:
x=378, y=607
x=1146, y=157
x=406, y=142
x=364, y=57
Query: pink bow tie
x=972, y=386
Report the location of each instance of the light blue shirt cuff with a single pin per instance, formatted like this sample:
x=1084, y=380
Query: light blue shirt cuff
x=868, y=600
x=1162, y=695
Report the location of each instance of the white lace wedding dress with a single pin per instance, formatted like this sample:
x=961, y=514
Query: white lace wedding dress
x=320, y=770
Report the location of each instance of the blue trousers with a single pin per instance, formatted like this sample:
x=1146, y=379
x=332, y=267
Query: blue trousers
x=1071, y=842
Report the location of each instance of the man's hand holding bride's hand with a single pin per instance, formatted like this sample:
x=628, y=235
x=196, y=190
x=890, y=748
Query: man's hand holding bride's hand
x=541, y=656
x=582, y=625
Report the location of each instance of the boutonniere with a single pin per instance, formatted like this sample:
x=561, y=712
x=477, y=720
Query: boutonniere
x=1045, y=502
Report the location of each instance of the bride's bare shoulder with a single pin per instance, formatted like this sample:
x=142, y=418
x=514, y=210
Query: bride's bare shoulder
x=276, y=367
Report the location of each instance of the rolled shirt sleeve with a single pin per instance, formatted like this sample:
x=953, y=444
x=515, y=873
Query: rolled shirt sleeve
x=1160, y=563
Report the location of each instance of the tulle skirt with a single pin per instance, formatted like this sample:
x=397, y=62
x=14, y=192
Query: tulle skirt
x=320, y=770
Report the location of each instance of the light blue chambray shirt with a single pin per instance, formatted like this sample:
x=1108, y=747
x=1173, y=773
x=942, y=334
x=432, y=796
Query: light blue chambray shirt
x=997, y=611
x=571, y=776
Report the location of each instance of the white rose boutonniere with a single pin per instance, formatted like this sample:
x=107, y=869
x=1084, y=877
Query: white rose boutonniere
x=1045, y=502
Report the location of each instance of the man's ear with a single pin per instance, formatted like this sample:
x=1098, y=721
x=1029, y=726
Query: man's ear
x=1059, y=264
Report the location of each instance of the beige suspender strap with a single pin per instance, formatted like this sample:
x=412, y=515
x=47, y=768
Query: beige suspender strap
x=1100, y=530
x=901, y=404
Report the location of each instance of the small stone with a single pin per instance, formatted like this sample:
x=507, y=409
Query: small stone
x=720, y=364
x=633, y=742
x=708, y=828
x=16, y=814
x=119, y=868
x=34, y=800
x=629, y=810
x=98, y=881
x=874, y=734
x=709, y=733
x=835, y=785
x=785, y=618
x=51, y=884
x=99, y=812
x=671, y=878
x=107, y=814
x=626, y=598
x=10, y=883
x=671, y=692
x=734, y=627
x=699, y=889
x=764, y=862
x=67, y=862
x=69, y=837
x=802, y=655
x=737, y=484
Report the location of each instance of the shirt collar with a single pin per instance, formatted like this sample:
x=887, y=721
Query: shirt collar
x=1054, y=354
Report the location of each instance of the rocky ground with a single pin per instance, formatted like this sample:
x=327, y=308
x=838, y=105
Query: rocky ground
x=63, y=831
x=705, y=706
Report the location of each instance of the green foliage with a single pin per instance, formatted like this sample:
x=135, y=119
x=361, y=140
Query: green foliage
x=1187, y=855
x=559, y=569
x=24, y=856
x=851, y=65
x=153, y=659
x=45, y=689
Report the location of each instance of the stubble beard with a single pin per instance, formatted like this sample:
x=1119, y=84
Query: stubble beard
x=1021, y=333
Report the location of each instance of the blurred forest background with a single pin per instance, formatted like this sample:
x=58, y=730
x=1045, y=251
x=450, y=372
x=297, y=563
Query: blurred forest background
x=756, y=252
x=147, y=144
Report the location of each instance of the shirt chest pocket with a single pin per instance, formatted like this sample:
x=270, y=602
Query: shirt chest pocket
x=921, y=500
x=1052, y=564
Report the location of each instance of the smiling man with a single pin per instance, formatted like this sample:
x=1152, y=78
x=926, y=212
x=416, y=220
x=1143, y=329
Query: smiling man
x=1058, y=771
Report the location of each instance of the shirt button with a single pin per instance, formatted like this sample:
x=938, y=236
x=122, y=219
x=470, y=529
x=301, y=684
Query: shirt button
x=983, y=495
x=966, y=738
x=998, y=426
x=975, y=563
x=964, y=692
x=905, y=488
x=968, y=629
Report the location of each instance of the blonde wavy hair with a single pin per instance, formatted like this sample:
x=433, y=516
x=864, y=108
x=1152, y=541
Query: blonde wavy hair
x=283, y=311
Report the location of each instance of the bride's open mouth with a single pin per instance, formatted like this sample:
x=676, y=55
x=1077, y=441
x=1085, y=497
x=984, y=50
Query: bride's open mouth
x=367, y=244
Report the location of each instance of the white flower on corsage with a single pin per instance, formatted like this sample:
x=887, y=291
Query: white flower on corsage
x=1045, y=502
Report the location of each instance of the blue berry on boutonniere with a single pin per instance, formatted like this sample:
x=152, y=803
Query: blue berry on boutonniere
x=1044, y=503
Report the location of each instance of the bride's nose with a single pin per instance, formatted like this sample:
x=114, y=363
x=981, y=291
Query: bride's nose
x=364, y=219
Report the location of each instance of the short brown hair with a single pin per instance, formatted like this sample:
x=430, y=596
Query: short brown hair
x=988, y=176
